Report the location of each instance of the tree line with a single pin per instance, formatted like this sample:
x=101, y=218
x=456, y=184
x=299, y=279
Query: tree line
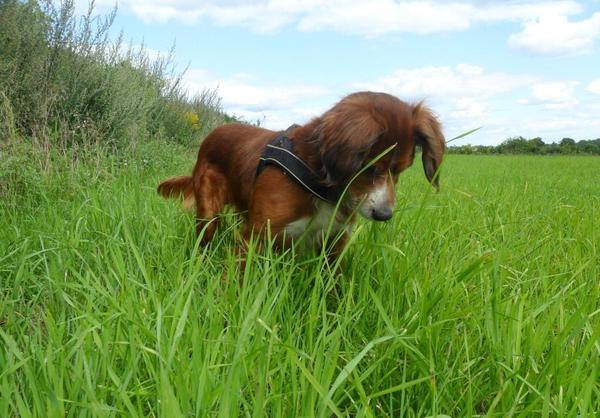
x=520, y=145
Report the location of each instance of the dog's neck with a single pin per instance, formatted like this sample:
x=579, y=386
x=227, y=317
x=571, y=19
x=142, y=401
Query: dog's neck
x=306, y=146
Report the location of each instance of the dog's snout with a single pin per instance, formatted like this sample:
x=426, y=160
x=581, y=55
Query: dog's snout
x=382, y=214
x=378, y=204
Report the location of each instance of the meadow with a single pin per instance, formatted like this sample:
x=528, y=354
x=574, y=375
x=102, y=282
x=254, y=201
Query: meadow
x=480, y=300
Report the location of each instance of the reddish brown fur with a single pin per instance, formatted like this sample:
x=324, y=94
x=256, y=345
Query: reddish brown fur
x=336, y=145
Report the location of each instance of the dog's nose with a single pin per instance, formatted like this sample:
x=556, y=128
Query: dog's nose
x=382, y=214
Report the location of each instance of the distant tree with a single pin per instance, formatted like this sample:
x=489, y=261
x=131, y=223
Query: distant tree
x=535, y=146
x=521, y=145
x=537, y=141
x=551, y=149
x=567, y=142
x=514, y=145
x=591, y=146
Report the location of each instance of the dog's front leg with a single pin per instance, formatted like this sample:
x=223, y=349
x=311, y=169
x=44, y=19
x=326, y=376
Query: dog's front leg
x=255, y=234
x=276, y=202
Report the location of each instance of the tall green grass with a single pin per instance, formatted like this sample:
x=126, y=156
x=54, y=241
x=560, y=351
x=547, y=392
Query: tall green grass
x=482, y=300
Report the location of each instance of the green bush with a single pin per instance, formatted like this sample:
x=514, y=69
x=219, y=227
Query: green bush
x=64, y=81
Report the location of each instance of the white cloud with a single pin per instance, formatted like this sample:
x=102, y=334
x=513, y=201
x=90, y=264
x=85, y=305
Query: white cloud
x=553, y=95
x=378, y=17
x=469, y=109
x=277, y=106
x=594, y=86
x=244, y=91
x=366, y=18
x=527, y=10
x=447, y=82
x=258, y=16
x=553, y=34
x=551, y=125
x=547, y=25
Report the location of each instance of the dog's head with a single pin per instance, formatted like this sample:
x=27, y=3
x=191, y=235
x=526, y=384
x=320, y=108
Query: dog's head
x=375, y=134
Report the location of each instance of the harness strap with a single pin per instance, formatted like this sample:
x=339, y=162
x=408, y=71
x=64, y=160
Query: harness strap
x=279, y=152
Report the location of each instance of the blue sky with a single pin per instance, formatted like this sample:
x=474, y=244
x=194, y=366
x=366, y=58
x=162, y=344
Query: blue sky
x=528, y=68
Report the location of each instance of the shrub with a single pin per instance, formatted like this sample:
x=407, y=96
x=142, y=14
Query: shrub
x=64, y=81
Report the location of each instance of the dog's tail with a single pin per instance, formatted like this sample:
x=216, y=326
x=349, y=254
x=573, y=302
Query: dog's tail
x=180, y=186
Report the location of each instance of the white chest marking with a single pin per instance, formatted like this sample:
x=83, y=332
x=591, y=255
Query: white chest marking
x=314, y=228
x=296, y=228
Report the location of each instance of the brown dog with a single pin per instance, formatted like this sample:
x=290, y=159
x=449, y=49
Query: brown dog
x=336, y=147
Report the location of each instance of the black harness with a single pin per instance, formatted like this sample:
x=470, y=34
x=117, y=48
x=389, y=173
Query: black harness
x=280, y=152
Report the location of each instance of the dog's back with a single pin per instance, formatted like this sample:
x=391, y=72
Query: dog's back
x=232, y=153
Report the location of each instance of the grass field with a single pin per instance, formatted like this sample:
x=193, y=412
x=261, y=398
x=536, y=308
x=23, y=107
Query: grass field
x=480, y=300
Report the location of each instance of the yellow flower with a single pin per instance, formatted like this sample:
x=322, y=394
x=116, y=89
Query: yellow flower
x=192, y=119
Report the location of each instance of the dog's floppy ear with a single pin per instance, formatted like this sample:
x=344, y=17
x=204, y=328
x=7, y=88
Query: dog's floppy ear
x=345, y=137
x=430, y=138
